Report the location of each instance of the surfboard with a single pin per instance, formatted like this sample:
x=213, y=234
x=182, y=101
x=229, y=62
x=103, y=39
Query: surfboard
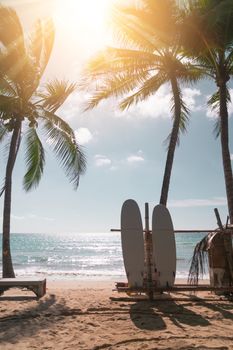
x=132, y=243
x=164, y=247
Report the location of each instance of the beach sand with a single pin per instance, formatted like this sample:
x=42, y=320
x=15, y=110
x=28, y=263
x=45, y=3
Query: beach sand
x=81, y=315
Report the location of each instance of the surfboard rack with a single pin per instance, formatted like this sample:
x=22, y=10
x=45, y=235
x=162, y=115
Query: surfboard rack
x=228, y=230
x=149, y=287
x=122, y=287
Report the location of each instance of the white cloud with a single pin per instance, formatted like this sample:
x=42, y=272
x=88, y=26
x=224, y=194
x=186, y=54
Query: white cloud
x=101, y=160
x=71, y=108
x=37, y=217
x=189, y=203
x=83, y=136
x=231, y=156
x=212, y=114
x=159, y=105
x=156, y=106
x=189, y=96
x=136, y=158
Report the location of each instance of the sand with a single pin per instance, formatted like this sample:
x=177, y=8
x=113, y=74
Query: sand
x=81, y=315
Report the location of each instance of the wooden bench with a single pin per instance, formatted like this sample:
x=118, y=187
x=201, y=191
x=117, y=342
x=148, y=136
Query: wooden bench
x=36, y=285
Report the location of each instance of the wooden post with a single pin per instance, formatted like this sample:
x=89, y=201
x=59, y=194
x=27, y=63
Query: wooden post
x=219, y=222
x=148, y=253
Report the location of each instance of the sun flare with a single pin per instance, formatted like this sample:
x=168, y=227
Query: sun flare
x=87, y=18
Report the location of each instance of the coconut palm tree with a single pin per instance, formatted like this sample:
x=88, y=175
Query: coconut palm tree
x=208, y=37
x=28, y=109
x=148, y=57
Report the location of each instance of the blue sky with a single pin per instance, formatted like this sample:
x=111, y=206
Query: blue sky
x=125, y=151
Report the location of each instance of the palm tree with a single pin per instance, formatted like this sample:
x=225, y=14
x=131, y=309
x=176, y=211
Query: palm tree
x=208, y=36
x=24, y=106
x=149, y=57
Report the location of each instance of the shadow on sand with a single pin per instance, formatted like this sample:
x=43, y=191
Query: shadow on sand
x=150, y=315
x=26, y=323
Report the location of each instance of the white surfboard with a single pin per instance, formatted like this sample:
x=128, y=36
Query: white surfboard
x=164, y=247
x=132, y=243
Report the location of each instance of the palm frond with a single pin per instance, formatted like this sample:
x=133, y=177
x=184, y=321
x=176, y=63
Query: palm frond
x=13, y=54
x=229, y=61
x=182, y=120
x=214, y=100
x=217, y=128
x=35, y=159
x=67, y=150
x=41, y=44
x=157, y=18
x=48, y=41
x=55, y=95
x=214, y=104
x=115, y=86
x=56, y=120
x=129, y=34
x=189, y=73
x=115, y=60
x=148, y=88
x=8, y=105
x=7, y=87
x=11, y=31
x=36, y=43
x=3, y=132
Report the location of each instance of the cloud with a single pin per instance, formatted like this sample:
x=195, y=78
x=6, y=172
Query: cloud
x=156, y=106
x=189, y=96
x=136, y=158
x=159, y=104
x=211, y=113
x=190, y=203
x=37, y=217
x=71, y=108
x=101, y=160
x=83, y=136
x=232, y=156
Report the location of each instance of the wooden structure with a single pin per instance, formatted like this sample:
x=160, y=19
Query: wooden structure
x=38, y=286
x=122, y=287
x=224, y=287
x=220, y=255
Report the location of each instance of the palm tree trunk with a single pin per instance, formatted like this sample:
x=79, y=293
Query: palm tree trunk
x=172, y=142
x=226, y=158
x=227, y=239
x=7, y=266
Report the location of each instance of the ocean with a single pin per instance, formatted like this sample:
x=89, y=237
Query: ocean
x=84, y=256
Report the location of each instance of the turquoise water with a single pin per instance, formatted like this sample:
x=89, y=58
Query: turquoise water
x=83, y=255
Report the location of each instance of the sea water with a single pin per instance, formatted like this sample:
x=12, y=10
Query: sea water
x=83, y=255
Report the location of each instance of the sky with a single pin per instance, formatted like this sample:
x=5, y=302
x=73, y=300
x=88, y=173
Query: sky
x=125, y=151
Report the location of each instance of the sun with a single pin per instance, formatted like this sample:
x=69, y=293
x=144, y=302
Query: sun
x=86, y=18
